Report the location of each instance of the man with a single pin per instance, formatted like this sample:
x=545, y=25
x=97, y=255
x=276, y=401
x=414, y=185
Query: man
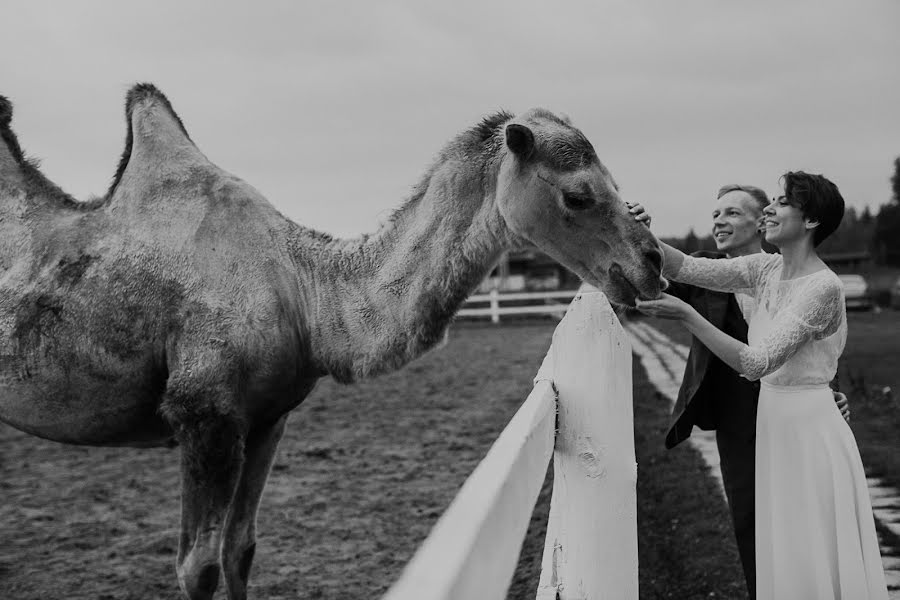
x=712, y=395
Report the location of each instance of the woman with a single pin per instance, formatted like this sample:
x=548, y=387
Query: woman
x=815, y=534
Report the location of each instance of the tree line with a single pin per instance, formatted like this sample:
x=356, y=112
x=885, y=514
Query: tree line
x=877, y=235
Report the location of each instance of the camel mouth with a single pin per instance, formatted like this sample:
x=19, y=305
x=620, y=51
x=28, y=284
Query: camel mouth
x=618, y=278
x=629, y=290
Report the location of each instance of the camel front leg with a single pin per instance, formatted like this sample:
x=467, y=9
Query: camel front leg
x=240, y=530
x=211, y=459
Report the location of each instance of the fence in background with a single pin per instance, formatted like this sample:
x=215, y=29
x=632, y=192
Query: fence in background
x=591, y=546
x=541, y=303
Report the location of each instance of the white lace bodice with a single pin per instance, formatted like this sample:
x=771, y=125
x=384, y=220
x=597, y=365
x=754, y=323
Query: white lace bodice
x=798, y=328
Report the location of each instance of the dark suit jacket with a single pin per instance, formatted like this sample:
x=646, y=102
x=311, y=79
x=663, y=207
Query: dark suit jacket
x=712, y=394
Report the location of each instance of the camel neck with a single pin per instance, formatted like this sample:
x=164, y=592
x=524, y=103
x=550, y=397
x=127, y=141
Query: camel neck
x=382, y=300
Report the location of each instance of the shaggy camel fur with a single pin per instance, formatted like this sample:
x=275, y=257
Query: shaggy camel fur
x=182, y=308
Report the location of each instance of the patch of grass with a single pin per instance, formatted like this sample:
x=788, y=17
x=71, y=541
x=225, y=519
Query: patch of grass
x=871, y=363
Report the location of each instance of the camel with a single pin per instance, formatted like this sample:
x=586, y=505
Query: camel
x=182, y=309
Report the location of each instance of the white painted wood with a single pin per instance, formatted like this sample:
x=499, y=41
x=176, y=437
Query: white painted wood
x=495, y=312
x=591, y=546
x=472, y=551
x=560, y=295
x=495, y=306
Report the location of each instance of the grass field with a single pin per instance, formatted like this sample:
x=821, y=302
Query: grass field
x=363, y=473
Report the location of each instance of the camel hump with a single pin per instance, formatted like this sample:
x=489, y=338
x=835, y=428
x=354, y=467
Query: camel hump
x=6, y=132
x=142, y=94
x=5, y=111
x=156, y=135
x=12, y=159
x=18, y=170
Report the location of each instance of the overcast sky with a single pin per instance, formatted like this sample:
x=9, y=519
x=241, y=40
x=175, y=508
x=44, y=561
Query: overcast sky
x=334, y=109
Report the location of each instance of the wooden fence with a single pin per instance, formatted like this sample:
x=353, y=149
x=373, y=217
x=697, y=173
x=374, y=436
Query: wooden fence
x=580, y=413
x=540, y=303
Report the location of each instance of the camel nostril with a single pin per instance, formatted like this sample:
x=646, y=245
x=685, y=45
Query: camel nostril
x=655, y=258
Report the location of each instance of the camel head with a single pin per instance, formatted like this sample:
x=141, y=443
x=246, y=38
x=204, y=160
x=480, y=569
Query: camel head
x=554, y=192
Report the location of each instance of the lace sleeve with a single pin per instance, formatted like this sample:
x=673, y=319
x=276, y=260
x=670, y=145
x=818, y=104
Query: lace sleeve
x=741, y=274
x=815, y=313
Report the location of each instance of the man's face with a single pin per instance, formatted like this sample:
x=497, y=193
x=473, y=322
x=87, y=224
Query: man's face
x=736, y=220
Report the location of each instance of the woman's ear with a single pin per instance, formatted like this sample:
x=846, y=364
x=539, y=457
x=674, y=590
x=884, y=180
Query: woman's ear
x=810, y=224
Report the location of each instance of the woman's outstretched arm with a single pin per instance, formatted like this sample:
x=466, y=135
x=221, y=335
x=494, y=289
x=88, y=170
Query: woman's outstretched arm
x=817, y=311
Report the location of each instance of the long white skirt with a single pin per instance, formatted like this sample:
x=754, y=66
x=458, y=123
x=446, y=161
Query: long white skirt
x=815, y=533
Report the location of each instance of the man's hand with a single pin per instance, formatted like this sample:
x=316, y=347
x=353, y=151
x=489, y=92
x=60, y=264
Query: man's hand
x=843, y=404
x=640, y=215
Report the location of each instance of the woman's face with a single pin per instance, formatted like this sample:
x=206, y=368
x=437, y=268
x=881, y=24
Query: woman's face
x=785, y=222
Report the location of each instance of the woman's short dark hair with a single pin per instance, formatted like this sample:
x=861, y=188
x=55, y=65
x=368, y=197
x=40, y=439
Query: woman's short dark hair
x=818, y=198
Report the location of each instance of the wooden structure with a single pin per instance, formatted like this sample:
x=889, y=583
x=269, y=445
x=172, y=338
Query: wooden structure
x=591, y=545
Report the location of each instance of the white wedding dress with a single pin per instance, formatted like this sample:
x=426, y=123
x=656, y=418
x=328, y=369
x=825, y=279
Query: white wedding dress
x=815, y=533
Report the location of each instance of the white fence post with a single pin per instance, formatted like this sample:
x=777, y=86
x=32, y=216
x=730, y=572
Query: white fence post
x=495, y=306
x=591, y=547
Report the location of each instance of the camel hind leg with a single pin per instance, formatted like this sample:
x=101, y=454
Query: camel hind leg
x=211, y=440
x=240, y=529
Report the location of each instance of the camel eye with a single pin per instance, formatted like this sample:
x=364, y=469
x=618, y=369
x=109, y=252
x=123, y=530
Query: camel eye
x=577, y=201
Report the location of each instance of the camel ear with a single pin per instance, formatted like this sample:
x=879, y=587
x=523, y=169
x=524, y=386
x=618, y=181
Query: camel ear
x=520, y=140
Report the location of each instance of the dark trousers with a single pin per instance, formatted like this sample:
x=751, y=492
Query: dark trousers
x=737, y=450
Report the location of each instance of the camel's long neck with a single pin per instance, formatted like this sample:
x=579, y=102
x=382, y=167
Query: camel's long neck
x=384, y=300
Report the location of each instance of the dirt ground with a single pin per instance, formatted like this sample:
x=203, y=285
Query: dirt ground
x=361, y=476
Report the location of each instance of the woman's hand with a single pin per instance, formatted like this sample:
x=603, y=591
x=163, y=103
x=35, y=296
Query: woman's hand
x=665, y=307
x=640, y=215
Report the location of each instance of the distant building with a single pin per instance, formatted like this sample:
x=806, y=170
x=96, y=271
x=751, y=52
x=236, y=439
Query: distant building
x=848, y=262
x=529, y=271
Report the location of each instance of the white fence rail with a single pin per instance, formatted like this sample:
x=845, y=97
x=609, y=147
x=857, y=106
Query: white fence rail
x=591, y=545
x=555, y=303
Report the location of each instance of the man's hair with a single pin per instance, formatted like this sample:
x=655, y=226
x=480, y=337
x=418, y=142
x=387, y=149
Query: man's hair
x=756, y=193
x=818, y=198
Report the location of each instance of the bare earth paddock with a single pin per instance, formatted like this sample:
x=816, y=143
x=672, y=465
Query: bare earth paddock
x=362, y=474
